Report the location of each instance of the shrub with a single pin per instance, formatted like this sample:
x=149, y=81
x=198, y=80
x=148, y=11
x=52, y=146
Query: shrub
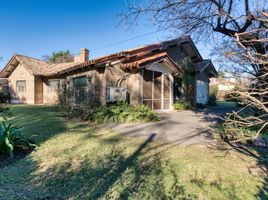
x=232, y=132
x=4, y=111
x=212, y=100
x=11, y=138
x=4, y=96
x=213, y=93
x=114, y=113
x=82, y=111
x=123, y=113
x=200, y=105
x=213, y=90
x=184, y=105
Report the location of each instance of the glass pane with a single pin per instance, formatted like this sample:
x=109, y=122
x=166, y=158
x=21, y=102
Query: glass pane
x=53, y=85
x=80, y=81
x=21, y=86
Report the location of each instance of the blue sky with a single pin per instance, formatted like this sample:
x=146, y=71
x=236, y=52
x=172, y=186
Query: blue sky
x=40, y=27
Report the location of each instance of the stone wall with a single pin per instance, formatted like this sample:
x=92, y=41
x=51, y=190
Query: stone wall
x=94, y=87
x=132, y=80
x=21, y=73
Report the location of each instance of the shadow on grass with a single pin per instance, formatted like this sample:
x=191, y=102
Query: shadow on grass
x=40, y=123
x=261, y=156
x=262, y=161
x=113, y=176
x=144, y=173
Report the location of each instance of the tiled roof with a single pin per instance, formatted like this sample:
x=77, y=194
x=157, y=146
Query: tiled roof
x=136, y=57
x=36, y=66
x=40, y=67
x=201, y=66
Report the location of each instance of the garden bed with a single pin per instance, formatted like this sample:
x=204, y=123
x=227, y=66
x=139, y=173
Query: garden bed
x=18, y=154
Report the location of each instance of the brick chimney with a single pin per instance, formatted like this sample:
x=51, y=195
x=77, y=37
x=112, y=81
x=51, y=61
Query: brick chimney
x=83, y=57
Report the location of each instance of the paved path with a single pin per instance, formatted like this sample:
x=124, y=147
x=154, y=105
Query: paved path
x=186, y=127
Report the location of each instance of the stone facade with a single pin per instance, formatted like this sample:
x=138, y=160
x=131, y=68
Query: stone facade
x=155, y=68
x=98, y=81
x=22, y=74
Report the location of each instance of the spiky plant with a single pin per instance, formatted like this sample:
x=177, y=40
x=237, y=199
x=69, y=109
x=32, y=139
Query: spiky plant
x=11, y=138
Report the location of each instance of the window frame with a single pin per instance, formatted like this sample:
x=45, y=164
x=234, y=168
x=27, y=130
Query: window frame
x=49, y=85
x=80, y=88
x=18, y=88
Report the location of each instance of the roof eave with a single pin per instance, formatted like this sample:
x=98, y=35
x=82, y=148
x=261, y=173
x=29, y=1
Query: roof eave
x=2, y=74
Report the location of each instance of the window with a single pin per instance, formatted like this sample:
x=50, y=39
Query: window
x=21, y=86
x=80, y=88
x=80, y=81
x=53, y=86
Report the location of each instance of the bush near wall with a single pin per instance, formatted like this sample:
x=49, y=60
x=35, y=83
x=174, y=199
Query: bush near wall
x=213, y=95
x=4, y=97
x=119, y=113
x=183, y=105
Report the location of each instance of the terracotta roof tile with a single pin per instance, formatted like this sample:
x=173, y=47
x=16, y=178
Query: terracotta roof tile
x=129, y=58
x=42, y=68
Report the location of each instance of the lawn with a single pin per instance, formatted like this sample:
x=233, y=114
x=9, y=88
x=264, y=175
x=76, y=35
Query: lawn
x=76, y=160
x=225, y=104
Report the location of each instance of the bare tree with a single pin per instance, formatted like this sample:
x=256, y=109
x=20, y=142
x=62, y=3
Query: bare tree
x=242, y=28
x=255, y=98
x=203, y=18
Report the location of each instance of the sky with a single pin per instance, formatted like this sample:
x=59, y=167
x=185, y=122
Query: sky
x=39, y=27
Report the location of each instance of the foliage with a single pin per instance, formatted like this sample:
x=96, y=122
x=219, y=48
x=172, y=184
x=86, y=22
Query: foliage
x=11, y=138
x=5, y=111
x=82, y=111
x=4, y=96
x=204, y=19
x=221, y=74
x=80, y=161
x=200, y=105
x=232, y=132
x=121, y=112
x=61, y=57
x=244, y=125
x=183, y=105
x=234, y=96
x=213, y=90
x=212, y=99
x=213, y=93
x=187, y=78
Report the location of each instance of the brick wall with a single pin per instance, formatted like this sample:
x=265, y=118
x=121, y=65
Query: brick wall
x=21, y=73
x=93, y=90
x=132, y=81
x=48, y=96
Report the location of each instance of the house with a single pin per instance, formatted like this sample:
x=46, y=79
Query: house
x=153, y=75
x=229, y=82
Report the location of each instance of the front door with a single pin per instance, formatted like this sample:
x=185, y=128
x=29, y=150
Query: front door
x=156, y=90
x=202, y=92
x=38, y=87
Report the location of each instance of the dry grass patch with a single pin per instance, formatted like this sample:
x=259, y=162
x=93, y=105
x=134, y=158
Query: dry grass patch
x=79, y=161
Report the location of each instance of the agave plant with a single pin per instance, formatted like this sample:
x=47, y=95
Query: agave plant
x=11, y=138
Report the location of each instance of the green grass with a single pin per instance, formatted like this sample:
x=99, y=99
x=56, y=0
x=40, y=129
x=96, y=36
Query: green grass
x=226, y=104
x=78, y=160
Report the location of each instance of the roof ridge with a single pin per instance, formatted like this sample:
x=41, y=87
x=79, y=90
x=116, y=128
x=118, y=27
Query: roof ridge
x=31, y=58
x=37, y=59
x=140, y=47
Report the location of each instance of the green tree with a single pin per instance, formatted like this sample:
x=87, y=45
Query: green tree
x=60, y=57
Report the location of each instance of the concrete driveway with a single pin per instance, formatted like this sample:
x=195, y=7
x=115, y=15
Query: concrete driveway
x=185, y=127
